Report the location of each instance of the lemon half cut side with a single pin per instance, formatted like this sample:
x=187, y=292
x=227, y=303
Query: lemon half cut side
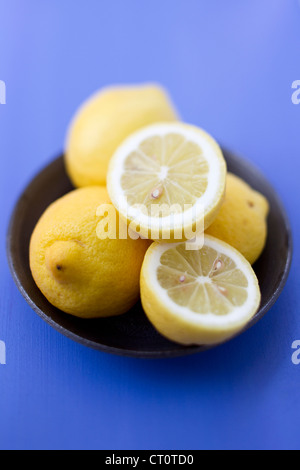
x=169, y=180
x=198, y=297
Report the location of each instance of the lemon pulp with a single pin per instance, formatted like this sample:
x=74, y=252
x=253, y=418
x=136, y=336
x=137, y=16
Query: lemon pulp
x=204, y=281
x=164, y=170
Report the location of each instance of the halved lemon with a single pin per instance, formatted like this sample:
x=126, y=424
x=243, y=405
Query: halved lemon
x=168, y=181
x=198, y=297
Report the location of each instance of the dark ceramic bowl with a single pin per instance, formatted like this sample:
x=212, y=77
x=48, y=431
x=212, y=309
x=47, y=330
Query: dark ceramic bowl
x=132, y=334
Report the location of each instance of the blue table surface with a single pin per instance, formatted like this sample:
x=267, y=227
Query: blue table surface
x=229, y=67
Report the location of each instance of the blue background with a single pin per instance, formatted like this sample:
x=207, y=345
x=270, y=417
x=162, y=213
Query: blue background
x=228, y=66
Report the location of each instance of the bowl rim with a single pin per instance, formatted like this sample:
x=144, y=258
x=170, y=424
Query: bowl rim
x=151, y=354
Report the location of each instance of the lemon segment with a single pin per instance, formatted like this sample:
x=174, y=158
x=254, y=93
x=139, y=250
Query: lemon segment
x=198, y=297
x=169, y=179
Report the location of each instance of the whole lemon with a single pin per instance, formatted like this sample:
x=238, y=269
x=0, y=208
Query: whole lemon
x=77, y=271
x=104, y=121
x=241, y=221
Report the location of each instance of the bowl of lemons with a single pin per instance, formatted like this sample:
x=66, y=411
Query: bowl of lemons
x=146, y=237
